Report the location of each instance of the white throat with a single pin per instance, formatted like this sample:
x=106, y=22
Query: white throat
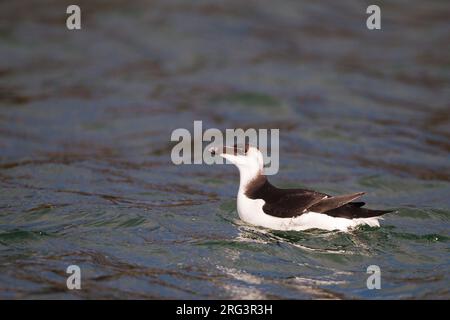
x=246, y=176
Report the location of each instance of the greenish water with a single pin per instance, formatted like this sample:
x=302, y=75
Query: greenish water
x=85, y=125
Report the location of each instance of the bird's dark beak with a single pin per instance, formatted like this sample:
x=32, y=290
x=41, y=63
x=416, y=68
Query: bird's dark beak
x=214, y=151
x=222, y=150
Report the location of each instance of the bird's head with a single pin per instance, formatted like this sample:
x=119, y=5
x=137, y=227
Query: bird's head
x=246, y=158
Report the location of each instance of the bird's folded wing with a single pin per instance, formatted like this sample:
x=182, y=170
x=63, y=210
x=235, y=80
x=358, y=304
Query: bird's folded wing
x=334, y=202
x=294, y=204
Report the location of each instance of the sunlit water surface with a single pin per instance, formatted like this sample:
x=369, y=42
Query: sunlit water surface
x=85, y=124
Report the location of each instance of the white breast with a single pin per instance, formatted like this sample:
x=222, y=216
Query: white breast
x=251, y=211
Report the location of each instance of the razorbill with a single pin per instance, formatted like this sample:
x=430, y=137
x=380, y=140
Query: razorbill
x=262, y=204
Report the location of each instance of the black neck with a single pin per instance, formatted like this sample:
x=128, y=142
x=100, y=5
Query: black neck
x=260, y=188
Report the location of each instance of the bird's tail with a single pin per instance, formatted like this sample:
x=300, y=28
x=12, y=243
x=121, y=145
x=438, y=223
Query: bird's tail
x=368, y=213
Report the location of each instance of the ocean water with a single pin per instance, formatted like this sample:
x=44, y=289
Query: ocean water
x=85, y=171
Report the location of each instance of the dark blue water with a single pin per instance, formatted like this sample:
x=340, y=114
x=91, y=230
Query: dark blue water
x=85, y=124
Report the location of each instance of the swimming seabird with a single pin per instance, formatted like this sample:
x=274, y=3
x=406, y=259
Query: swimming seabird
x=262, y=204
